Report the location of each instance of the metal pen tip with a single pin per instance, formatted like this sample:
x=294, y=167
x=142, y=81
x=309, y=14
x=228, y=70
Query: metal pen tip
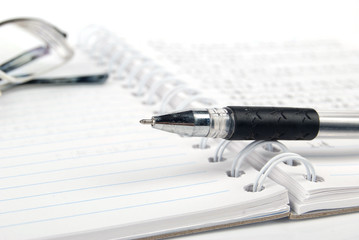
x=147, y=121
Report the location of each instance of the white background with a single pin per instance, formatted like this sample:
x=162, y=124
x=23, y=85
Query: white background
x=216, y=21
x=208, y=20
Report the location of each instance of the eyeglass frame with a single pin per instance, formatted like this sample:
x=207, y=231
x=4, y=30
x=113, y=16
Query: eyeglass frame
x=58, y=37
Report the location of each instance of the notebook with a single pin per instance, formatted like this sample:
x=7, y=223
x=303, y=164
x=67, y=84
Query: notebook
x=76, y=164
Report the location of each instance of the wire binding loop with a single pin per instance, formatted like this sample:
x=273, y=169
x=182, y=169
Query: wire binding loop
x=197, y=98
x=218, y=155
x=203, y=143
x=109, y=47
x=156, y=86
x=97, y=46
x=121, y=71
x=85, y=36
x=147, y=77
x=267, y=168
x=99, y=43
x=117, y=57
x=241, y=156
x=133, y=74
x=168, y=97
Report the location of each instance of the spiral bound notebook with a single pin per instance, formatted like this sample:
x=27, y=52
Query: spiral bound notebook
x=76, y=163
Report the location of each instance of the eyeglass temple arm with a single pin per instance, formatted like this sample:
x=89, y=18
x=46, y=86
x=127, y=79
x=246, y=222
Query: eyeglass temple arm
x=24, y=58
x=95, y=78
x=85, y=79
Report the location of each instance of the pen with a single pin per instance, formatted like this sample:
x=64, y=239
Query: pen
x=258, y=123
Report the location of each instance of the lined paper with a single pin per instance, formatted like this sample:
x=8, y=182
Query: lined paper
x=75, y=159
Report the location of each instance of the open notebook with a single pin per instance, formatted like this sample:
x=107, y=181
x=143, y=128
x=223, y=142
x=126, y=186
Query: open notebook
x=76, y=164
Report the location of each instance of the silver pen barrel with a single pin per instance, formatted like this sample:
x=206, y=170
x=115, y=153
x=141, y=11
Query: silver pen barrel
x=338, y=125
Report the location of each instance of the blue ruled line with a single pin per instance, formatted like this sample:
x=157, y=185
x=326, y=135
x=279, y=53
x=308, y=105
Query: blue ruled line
x=71, y=139
x=67, y=123
x=75, y=148
x=106, y=185
x=78, y=167
x=344, y=174
x=108, y=197
x=61, y=115
x=114, y=209
x=84, y=156
x=91, y=176
x=91, y=128
x=72, y=123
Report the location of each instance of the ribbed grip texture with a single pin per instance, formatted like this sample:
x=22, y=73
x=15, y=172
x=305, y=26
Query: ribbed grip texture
x=270, y=123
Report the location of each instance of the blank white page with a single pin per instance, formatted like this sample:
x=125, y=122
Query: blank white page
x=75, y=159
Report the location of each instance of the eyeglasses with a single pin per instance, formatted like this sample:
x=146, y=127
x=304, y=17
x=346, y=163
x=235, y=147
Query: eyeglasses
x=31, y=47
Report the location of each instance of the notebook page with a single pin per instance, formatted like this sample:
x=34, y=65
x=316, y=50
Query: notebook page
x=75, y=159
x=316, y=73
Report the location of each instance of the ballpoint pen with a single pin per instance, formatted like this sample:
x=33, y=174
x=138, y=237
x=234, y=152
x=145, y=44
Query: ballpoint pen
x=258, y=123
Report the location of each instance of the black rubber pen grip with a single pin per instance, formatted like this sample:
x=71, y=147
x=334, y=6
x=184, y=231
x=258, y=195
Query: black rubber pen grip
x=274, y=123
